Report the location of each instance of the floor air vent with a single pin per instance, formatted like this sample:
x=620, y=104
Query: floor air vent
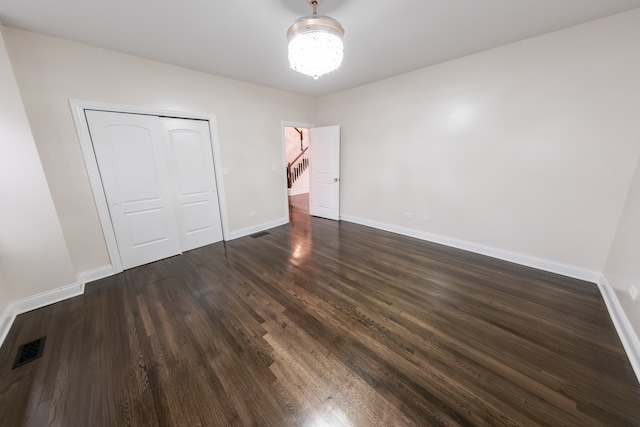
x=260, y=234
x=28, y=352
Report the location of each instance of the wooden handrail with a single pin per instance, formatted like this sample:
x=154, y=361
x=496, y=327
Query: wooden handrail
x=296, y=168
x=301, y=136
x=299, y=155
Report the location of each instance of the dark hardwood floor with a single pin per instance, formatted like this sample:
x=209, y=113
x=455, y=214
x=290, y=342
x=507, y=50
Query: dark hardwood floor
x=321, y=323
x=299, y=205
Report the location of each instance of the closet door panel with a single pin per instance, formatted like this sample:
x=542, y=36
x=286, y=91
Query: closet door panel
x=188, y=144
x=136, y=181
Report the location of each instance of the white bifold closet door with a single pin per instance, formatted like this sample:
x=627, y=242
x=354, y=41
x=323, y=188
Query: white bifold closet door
x=159, y=182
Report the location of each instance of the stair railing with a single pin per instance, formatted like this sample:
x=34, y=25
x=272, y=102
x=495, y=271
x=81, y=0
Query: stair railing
x=297, y=167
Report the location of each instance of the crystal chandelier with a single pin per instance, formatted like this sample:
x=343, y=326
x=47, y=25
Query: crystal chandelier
x=315, y=43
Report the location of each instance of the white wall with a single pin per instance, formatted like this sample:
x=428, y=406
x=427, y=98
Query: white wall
x=49, y=71
x=528, y=148
x=33, y=252
x=623, y=264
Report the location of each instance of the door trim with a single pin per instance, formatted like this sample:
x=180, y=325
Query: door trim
x=82, y=128
x=284, y=124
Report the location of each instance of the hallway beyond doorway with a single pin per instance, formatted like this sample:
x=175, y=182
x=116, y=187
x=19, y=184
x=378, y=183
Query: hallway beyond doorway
x=299, y=204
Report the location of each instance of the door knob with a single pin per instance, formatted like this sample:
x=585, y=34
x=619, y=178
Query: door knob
x=335, y=180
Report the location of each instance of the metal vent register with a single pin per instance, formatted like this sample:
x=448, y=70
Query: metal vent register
x=28, y=352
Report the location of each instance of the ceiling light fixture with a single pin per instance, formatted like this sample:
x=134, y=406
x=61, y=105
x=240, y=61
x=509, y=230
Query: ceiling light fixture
x=315, y=43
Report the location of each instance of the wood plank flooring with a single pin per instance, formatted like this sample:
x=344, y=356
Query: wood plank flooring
x=323, y=323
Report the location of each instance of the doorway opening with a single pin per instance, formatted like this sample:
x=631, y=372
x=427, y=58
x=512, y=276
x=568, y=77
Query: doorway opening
x=296, y=140
x=312, y=159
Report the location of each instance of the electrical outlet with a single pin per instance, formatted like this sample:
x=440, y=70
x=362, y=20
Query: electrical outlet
x=427, y=219
x=633, y=292
x=408, y=215
x=253, y=213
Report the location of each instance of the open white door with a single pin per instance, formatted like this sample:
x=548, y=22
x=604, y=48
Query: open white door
x=324, y=187
x=135, y=178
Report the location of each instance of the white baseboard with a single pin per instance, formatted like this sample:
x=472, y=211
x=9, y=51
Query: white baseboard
x=298, y=191
x=628, y=336
x=6, y=320
x=47, y=298
x=50, y=297
x=257, y=228
x=95, y=274
x=34, y=302
x=517, y=258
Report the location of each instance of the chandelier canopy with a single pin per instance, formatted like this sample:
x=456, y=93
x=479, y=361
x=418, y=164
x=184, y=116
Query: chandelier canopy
x=315, y=43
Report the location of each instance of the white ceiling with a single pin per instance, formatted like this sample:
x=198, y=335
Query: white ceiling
x=246, y=40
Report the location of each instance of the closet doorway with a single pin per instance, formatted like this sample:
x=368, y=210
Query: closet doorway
x=154, y=181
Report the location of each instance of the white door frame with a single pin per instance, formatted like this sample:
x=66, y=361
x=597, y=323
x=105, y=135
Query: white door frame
x=283, y=125
x=77, y=110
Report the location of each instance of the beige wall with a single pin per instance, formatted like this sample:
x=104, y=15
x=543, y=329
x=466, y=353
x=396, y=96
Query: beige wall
x=49, y=71
x=528, y=148
x=33, y=252
x=623, y=264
